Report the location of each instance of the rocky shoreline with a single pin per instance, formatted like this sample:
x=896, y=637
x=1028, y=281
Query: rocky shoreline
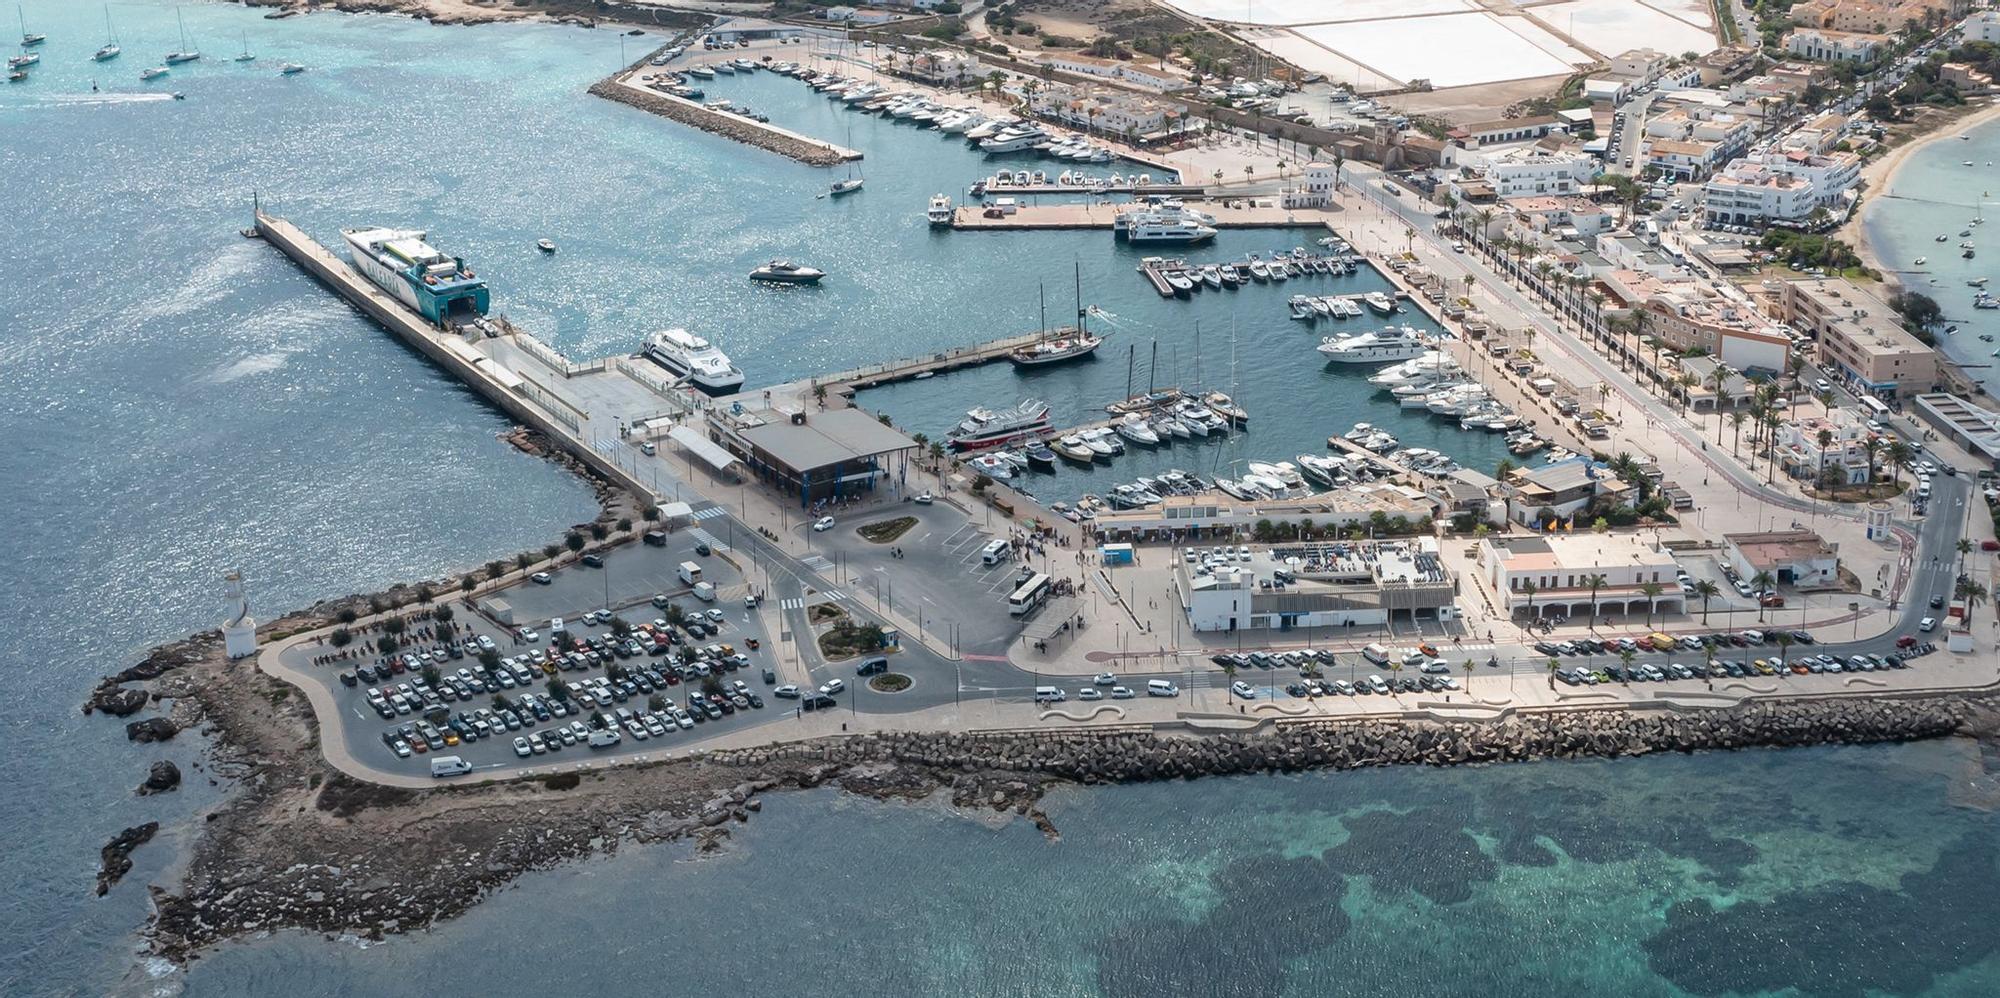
x=728, y=126
x=298, y=845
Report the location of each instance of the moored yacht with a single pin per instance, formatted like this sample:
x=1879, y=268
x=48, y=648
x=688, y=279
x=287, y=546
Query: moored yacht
x=696, y=359
x=1373, y=348
x=1381, y=303
x=1133, y=427
x=939, y=212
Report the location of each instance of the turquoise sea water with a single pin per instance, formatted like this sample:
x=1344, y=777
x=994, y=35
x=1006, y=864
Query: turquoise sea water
x=183, y=401
x=1935, y=194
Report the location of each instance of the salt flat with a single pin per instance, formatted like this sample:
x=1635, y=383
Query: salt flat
x=1615, y=26
x=1452, y=50
x=1287, y=12
x=1316, y=58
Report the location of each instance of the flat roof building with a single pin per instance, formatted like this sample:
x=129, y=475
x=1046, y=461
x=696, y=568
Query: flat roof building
x=823, y=456
x=1326, y=584
x=1798, y=558
x=1551, y=575
x=1971, y=427
x=1859, y=336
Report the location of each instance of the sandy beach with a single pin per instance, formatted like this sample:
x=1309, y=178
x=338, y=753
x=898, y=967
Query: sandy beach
x=1879, y=176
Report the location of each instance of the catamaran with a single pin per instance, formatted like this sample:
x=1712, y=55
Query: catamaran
x=695, y=359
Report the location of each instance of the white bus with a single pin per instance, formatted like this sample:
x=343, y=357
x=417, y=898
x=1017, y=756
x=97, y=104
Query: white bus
x=1874, y=407
x=1029, y=596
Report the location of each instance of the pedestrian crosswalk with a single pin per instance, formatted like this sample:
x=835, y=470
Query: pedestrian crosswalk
x=795, y=603
x=710, y=513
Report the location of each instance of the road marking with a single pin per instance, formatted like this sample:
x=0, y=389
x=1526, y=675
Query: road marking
x=709, y=513
x=795, y=603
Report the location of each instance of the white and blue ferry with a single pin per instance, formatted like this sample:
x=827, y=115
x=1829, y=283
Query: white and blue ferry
x=420, y=275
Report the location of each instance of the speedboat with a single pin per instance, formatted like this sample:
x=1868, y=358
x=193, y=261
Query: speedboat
x=992, y=465
x=1211, y=276
x=1133, y=427
x=1381, y=303
x=291, y=69
x=545, y=245
x=1103, y=441
x=153, y=73
x=787, y=272
x=1039, y=455
x=1072, y=448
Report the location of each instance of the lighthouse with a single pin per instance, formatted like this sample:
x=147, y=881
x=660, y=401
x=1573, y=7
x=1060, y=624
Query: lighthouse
x=239, y=629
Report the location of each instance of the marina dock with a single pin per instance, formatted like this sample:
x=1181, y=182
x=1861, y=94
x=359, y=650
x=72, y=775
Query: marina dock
x=1100, y=216
x=987, y=188
x=629, y=86
x=910, y=368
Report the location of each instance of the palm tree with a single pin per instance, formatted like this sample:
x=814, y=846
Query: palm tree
x=1553, y=666
x=1873, y=445
x=1964, y=548
x=1595, y=582
x=1652, y=591
x=1529, y=589
x=1763, y=581
x=1687, y=382
x=1971, y=594
x=1899, y=455
x=1625, y=656
x=1708, y=659
x=1468, y=676
x=1736, y=424
x=1716, y=380
x=1396, y=672
x=1784, y=641
x=1229, y=672
x=1707, y=591
x=1825, y=439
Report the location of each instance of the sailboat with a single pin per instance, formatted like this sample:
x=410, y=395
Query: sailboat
x=1058, y=345
x=28, y=38
x=853, y=183
x=246, y=56
x=110, y=48
x=186, y=53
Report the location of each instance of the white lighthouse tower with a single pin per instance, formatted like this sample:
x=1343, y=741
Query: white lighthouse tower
x=239, y=629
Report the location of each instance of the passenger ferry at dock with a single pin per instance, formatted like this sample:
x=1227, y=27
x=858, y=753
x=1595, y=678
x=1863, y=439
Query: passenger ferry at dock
x=695, y=359
x=984, y=427
x=437, y=286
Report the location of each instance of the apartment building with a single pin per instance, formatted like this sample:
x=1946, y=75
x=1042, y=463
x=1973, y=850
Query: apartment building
x=1845, y=453
x=1781, y=187
x=1859, y=337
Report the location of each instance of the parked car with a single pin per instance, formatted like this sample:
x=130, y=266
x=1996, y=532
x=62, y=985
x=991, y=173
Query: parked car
x=822, y=524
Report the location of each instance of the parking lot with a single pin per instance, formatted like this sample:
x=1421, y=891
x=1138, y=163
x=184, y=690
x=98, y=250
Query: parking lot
x=658, y=675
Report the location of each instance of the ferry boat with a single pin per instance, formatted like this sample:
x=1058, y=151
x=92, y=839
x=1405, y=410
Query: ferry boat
x=787, y=272
x=939, y=212
x=1160, y=226
x=437, y=286
x=695, y=359
x=1377, y=347
x=983, y=427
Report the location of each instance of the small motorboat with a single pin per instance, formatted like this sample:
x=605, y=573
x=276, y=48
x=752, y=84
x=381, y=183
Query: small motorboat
x=153, y=73
x=546, y=245
x=787, y=272
x=1921, y=261
x=291, y=69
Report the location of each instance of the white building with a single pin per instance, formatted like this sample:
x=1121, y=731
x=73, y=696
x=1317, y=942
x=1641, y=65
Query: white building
x=1554, y=573
x=1825, y=45
x=1983, y=26
x=1332, y=586
x=239, y=628
x=1791, y=557
x=1531, y=170
x=1845, y=452
x=1779, y=187
x=1111, y=69
x=1315, y=187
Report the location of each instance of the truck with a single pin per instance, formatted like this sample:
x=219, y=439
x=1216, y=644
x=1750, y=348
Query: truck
x=690, y=572
x=704, y=591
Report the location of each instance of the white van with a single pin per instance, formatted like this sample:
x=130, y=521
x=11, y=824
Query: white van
x=1376, y=654
x=1049, y=694
x=1161, y=688
x=449, y=765
x=994, y=552
x=1754, y=637
x=555, y=625
x=690, y=572
x=604, y=738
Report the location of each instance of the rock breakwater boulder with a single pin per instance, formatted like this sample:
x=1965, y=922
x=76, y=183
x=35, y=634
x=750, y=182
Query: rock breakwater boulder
x=160, y=778
x=116, y=856
x=728, y=126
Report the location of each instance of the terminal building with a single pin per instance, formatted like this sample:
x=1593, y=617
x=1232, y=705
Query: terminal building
x=1317, y=585
x=1552, y=575
x=1798, y=558
x=827, y=455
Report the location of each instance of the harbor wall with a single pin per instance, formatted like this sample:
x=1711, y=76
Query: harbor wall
x=811, y=152
x=411, y=329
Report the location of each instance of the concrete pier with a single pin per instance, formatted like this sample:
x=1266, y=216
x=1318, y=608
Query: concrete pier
x=1100, y=216
x=631, y=86
x=584, y=408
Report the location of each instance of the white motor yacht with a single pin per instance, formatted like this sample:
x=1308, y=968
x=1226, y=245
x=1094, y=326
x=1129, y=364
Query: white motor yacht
x=695, y=359
x=1375, y=347
x=939, y=212
x=1133, y=427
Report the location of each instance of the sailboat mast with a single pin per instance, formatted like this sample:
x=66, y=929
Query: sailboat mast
x=1130, y=352
x=1078, y=264
x=1042, y=323
x=1153, y=369
x=1197, y=355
